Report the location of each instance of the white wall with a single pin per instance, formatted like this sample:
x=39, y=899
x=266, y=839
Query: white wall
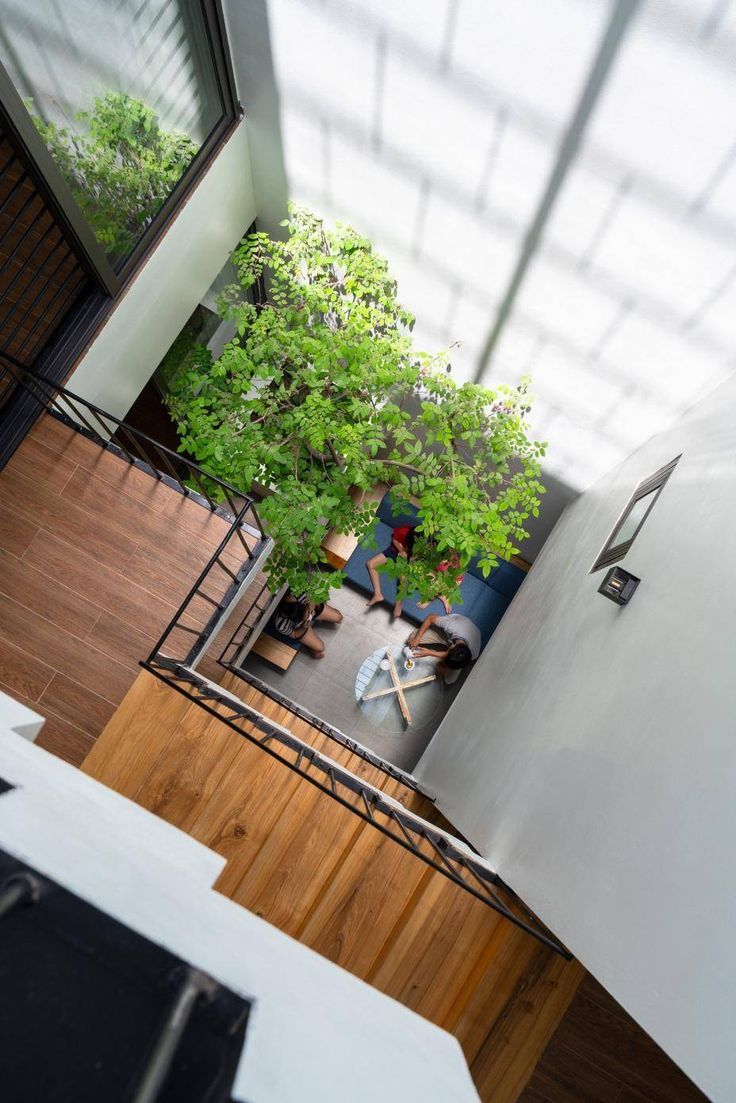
x=176, y=277
x=315, y=1031
x=591, y=757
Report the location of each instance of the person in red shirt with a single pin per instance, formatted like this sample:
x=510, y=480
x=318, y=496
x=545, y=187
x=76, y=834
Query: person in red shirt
x=402, y=543
x=449, y=565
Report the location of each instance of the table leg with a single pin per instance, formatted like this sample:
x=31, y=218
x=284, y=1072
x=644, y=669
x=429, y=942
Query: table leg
x=397, y=685
x=392, y=689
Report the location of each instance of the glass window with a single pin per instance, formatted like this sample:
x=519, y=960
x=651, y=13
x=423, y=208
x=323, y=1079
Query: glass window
x=124, y=95
x=633, y=517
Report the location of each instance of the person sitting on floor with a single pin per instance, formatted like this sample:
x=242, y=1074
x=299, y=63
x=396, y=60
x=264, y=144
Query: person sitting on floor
x=402, y=544
x=294, y=616
x=460, y=646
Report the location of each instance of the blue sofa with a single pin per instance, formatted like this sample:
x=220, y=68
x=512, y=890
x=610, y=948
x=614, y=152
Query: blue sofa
x=485, y=600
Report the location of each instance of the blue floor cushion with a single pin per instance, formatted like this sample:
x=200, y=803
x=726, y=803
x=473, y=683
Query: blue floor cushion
x=485, y=600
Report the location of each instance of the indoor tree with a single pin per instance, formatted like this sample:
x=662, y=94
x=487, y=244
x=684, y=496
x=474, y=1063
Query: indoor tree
x=119, y=163
x=321, y=394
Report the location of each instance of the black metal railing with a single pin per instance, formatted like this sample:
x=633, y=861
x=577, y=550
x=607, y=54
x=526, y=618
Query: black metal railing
x=248, y=627
x=436, y=848
x=174, y=469
x=332, y=733
x=213, y=595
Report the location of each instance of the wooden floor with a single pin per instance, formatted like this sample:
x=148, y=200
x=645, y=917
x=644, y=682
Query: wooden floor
x=600, y=1055
x=95, y=556
x=321, y=874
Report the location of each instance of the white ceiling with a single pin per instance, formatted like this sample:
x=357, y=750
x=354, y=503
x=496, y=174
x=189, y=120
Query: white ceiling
x=433, y=125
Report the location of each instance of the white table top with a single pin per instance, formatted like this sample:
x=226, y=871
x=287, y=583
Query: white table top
x=384, y=712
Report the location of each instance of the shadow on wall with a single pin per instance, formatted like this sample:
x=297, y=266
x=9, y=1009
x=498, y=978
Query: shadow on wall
x=247, y=21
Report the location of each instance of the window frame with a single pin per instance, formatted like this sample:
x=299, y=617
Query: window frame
x=108, y=279
x=108, y=284
x=613, y=552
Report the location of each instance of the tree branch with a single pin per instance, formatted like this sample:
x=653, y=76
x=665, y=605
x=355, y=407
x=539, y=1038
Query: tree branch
x=404, y=466
x=337, y=460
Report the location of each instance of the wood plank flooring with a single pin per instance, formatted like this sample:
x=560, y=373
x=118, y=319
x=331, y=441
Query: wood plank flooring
x=95, y=557
x=599, y=1054
x=308, y=865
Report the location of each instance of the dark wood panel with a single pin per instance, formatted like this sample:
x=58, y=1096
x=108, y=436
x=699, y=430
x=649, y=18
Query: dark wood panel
x=630, y=1095
x=95, y=495
x=58, y=736
x=49, y=644
x=16, y=532
x=57, y=437
x=76, y=704
x=599, y=1054
x=144, y=569
x=566, y=1077
x=64, y=739
x=21, y=674
x=136, y=484
x=94, y=580
x=42, y=593
x=121, y=640
x=47, y=465
x=111, y=542
x=632, y=1057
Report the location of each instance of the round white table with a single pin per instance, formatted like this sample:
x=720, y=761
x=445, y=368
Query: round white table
x=394, y=700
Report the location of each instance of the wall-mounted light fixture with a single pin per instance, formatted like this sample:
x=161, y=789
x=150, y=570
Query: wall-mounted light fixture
x=619, y=585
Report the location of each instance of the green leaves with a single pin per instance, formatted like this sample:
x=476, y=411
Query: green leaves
x=120, y=164
x=323, y=394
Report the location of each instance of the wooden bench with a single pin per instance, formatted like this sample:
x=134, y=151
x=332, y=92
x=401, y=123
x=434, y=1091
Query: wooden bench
x=274, y=651
x=339, y=546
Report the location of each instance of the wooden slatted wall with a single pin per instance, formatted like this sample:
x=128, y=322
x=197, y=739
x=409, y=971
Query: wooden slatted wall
x=315, y=870
x=40, y=276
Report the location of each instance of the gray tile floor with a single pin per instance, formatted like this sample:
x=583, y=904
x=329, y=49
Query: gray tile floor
x=327, y=686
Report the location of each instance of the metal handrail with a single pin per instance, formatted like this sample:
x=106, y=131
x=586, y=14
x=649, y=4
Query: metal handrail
x=264, y=602
x=216, y=572
x=81, y=414
x=436, y=848
x=330, y=731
